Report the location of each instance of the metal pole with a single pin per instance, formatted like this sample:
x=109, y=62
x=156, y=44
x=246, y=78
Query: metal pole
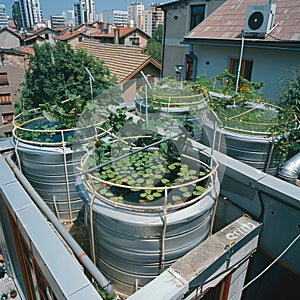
x=240, y=64
x=146, y=102
x=91, y=88
x=91, y=81
x=147, y=84
x=78, y=251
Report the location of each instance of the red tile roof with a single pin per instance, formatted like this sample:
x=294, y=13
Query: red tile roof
x=227, y=22
x=27, y=50
x=122, y=32
x=122, y=61
x=69, y=35
x=33, y=37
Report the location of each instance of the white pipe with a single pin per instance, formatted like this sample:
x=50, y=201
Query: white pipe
x=80, y=254
x=240, y=64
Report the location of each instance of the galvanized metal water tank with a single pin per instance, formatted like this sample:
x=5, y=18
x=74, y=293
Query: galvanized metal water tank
x=52, y=173
x=252, y=148
x=50, y=162
x=172, y=101
x=134, y=243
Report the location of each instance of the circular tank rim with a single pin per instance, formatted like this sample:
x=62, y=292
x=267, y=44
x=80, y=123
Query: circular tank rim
x=155, y=218
x=245, y=137
x=211, y=176
x=140, y=106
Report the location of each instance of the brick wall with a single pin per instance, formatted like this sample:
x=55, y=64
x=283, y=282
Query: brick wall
x=13, y=66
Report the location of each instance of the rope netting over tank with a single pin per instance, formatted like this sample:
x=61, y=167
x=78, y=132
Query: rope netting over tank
x=254, y=119
x=171, y=94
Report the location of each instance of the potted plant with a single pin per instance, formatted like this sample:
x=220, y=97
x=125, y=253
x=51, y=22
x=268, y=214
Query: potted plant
x=4, y=296
x=13, y=293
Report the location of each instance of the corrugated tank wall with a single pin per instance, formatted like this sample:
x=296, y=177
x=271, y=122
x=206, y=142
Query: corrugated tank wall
x=134, y=242
x=128, y=244
x=256, y=151
x=52, y=173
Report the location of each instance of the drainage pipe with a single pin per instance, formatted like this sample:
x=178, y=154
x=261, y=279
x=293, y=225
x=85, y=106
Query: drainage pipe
x=80, y=254
x=290, y=170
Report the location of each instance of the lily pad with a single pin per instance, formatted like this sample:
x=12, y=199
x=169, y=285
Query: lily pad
x=176, y=198
x=156, y=194
x=200, y=188
x=140, y=180
x=150, y=197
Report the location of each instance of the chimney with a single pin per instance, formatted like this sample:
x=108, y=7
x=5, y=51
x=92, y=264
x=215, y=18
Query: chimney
x=117, y=36
x=109, y=26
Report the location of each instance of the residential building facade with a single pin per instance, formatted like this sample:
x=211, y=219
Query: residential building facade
x=37, y=11
x=3, y=16
x=57, y=21
x=9, y=39
x=84, y=12
x=152, y=17
x=31, y=13
x=231, y=38
x=12, y=70
x=135, y=14
x=116, y=17
x=123, y=36
x=89, y=10
x=180, y=17
x=78, y=14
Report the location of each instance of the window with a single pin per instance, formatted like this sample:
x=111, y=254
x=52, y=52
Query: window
x=3, y=79
x=134, y=41
x=189, y=66
x=47, y=36
x=7, y=118
x=197, y=15
x=5, y=99
x=246, y=69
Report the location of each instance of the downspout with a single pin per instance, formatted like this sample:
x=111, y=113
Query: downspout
x=80, y=254
x=290, y=170
x=163, y=44
x=195, y=62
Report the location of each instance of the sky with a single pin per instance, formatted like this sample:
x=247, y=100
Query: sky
x=55, y=7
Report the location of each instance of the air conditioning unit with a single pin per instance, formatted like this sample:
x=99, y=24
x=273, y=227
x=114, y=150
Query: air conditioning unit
x=259, y=20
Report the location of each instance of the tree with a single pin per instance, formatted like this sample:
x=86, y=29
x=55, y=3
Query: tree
x=157, y=34
x=154, y=49
x=154, y=45
x=16, y=13
x=57, y=72
x=289, y=144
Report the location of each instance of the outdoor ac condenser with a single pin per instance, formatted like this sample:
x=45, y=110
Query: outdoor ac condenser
x=259, y=20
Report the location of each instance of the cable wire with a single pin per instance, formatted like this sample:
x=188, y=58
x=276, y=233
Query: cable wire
x=268, y=267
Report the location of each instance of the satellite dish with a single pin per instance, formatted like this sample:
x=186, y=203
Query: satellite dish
x=255, y=20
